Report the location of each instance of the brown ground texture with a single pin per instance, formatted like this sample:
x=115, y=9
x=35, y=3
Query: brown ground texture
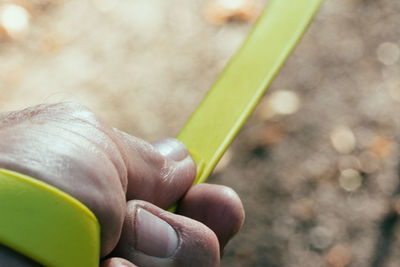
x=318, y=171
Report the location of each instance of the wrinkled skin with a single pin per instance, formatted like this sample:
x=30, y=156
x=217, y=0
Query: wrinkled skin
x=115, y=174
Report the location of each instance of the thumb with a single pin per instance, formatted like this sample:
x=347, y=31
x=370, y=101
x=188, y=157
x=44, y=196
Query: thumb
x=154, y=237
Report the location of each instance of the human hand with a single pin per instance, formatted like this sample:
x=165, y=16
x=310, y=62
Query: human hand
x=126, y=182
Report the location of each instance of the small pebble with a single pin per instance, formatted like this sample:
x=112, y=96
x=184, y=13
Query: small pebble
x=348, y=162
x=338, y=256
x=321, y=237
x=369, y=162
x=303, y=209
x=388, y=53
x=381, y=146
x=221, y=11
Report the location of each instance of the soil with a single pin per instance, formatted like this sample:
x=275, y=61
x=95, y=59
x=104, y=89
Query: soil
x=320, y=185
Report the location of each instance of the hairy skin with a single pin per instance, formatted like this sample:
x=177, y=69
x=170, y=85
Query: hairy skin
x=114, y=174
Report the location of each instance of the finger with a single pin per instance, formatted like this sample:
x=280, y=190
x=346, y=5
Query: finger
x=218, y=207
x=154, y=237
x=160, y=173
x=117, y=262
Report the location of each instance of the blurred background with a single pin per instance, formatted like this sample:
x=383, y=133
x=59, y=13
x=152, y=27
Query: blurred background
x=316, y=165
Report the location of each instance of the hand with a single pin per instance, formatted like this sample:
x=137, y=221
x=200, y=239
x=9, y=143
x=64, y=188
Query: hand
x=126, y=182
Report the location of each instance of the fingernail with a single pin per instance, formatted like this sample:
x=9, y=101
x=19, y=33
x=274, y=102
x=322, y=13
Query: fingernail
x=171, y=148
x=154, y=236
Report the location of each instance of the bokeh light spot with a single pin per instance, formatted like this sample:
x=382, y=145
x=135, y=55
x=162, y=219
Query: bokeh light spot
x=343, y=139
x=350, y=180
x=284, y=102
x=14, y=19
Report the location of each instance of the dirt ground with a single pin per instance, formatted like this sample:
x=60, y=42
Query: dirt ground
x=317, y=163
